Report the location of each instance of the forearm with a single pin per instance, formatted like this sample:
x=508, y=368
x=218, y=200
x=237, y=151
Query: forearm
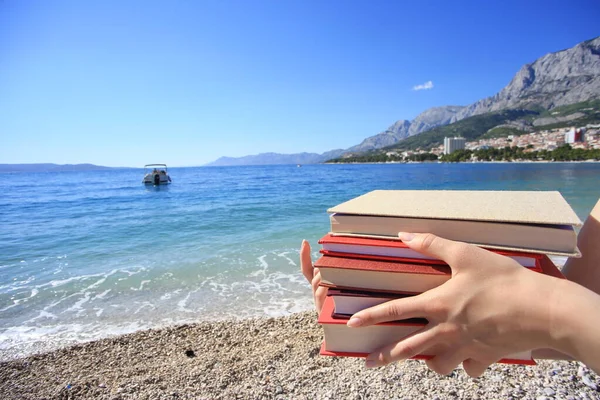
x=586, y=270
x=574, y=323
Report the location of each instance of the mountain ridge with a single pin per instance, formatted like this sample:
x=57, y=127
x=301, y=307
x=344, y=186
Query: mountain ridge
x=50, y=167
x=556, y=79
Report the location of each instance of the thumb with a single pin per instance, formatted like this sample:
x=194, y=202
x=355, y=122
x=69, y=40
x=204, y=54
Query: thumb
x=433, y=246
x=306, y=265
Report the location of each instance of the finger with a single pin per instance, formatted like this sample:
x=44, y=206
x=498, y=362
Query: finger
x=407, y=307
x=475, y=368
x=437, y=247
x=316, y=280
x=446, y=362
x=306, y=261
x=406, y=348
x=319, y=296
x=429, y=244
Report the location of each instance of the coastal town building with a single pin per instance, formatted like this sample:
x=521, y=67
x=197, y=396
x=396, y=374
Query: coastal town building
x=453, y=144
x=574, y=135
x=587, y=138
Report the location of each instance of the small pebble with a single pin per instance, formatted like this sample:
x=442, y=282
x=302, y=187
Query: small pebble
x=588, y=382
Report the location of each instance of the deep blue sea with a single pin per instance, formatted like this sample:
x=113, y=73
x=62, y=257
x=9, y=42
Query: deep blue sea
x=86, y=255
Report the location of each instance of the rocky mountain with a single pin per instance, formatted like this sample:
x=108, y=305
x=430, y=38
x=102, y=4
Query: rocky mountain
x=561, y=78
x=564, y=77
x=276, y=158
x=402, y=129
x=556, y=79
x=399, y=130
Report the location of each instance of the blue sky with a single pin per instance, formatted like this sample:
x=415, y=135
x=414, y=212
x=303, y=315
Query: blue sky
x=124, y=83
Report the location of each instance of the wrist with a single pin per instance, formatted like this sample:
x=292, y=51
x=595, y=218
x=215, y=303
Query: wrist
x=573, y=311
x=541, y=320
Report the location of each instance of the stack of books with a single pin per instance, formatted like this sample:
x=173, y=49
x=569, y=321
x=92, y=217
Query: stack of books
x=364, y=264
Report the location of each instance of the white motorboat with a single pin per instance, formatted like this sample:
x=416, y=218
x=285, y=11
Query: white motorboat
x=156, y=174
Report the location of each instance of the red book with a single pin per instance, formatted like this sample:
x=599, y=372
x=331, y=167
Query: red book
x=342, y=341
x=378, y=275
x=394, y=276
x=348, y=302
x=390, y=249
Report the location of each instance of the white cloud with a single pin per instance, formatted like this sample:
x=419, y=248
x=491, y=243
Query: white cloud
x=427, y=85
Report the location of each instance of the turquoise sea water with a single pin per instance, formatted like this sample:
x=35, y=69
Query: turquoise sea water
x=86, y=255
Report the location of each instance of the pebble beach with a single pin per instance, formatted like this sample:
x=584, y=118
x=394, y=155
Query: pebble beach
x=264, y=358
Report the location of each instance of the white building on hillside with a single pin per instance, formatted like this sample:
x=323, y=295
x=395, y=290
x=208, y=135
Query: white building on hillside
x=574, y=135
x=453, y=144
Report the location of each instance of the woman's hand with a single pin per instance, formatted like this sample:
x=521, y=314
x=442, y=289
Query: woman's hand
x=312, y=275
x=492, y=307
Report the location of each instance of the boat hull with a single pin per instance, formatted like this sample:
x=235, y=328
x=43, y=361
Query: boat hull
x=156, y=179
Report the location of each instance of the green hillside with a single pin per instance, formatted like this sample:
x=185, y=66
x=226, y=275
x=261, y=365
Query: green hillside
x=470, y=128
x=486, y=126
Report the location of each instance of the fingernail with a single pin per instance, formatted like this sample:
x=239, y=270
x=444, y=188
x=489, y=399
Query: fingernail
x=354, y=322
x=371, y=363
x=405, y=236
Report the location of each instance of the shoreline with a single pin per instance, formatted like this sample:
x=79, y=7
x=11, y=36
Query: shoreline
x=467, y=162
x=262, y=358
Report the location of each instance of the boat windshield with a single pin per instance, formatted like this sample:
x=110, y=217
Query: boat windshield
x=155, y=168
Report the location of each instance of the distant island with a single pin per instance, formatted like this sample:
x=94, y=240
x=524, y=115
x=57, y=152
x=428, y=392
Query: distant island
x=48, y=167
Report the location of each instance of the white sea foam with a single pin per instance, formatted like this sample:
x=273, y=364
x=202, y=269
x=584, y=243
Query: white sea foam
x=17, y=341
x=77, y=307
x=262, y=271
x=262, y=261
x=18, y=285
x=181, y=304
x=62, y=282
x=18, y=301
x=144, y=305
x=141, y=285
x=168, y=296
x=43, y=314
x=52, y=305
x=217, y=287
x=101, y=280
x=131, y=273
x=284, y=255
x=101, y=295
x=8, y=307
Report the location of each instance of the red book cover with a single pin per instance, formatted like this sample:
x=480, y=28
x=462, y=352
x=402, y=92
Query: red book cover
x=548, y=268
x=395, y=249
x=342, y=341
x=349, y=302
x=378, y=275
x=326, y=316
